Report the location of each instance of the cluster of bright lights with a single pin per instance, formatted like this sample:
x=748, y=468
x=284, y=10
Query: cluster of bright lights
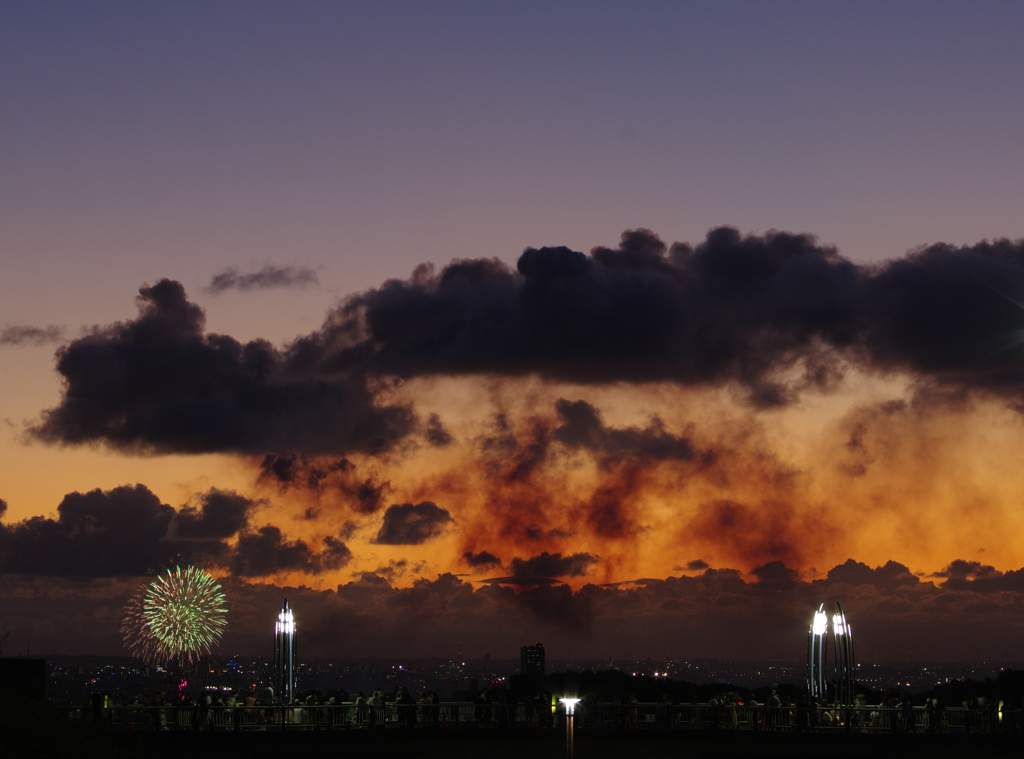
x=839, y=624
x=285, y=622
x=180, y=614
x=820, y=624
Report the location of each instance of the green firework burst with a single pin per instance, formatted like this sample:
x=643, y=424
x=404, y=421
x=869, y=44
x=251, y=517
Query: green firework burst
x=180, y=614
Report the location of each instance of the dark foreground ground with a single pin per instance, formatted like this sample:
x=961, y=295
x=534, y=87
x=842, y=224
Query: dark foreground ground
x=605, y=744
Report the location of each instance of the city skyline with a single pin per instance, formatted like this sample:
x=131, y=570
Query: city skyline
x=631, y=330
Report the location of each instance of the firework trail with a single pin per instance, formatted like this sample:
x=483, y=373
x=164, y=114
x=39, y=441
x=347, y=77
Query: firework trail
x=179, y=615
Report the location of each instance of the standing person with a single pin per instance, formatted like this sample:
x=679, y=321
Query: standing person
x=423, y=711
x=361, y=710
x=909, y=718
x=404, y=706
x=375, y=706
x=802, y=716
x=771, y=712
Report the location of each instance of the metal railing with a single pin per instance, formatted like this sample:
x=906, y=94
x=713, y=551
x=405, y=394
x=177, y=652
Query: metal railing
x=635, y=716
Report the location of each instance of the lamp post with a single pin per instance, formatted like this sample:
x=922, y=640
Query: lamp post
x=570, y=714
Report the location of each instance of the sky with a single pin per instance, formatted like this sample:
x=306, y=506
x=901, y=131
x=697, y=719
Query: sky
x=637, y=329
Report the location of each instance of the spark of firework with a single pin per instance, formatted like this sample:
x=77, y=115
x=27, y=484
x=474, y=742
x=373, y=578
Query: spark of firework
x=180, y=614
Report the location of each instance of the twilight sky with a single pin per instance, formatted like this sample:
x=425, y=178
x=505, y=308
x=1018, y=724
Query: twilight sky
x=580, y=322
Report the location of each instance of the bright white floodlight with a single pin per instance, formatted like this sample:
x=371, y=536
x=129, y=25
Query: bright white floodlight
x=570, y=705
x=838, y=624
x=820, y=623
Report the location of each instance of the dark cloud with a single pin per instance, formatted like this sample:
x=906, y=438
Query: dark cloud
x=775, y=572
x=266, y=552
x=553, y=565
x=412, y=524
x=220, y=515
x=776, y=313
x=396, y=569
x=335, y=554
x=127, y=531
x=23, y=334
x=582, y=427
x=160, y=384
x=975, y=577
x=735, y=308
x=269, y=276
x=437, y=435
x=482, y=559
x=772, y=315
x=696, y=564
x=963, y=570
x=889, y=576
x=545, y=568
x=560, y=606
x=333, y=477
x=96, y=534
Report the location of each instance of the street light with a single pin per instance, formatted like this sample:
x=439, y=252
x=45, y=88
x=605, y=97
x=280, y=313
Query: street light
x=570, y=713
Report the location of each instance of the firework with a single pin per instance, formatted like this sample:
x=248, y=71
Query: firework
x=180, y=614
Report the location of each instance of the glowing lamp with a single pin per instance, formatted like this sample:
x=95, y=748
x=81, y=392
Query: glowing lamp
x=820, y=623
x=570, y=705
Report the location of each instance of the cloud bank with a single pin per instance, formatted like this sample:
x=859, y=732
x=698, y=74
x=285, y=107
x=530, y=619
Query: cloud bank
x=775, y=315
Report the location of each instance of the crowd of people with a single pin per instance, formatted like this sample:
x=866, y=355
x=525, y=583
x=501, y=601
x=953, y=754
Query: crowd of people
x=501, y=708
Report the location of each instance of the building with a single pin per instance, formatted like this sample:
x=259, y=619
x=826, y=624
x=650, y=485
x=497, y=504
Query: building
x=531, y=659
x=284, y=655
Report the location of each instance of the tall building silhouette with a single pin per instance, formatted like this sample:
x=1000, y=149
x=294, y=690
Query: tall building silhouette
x=531, y=659
x=284, y=655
